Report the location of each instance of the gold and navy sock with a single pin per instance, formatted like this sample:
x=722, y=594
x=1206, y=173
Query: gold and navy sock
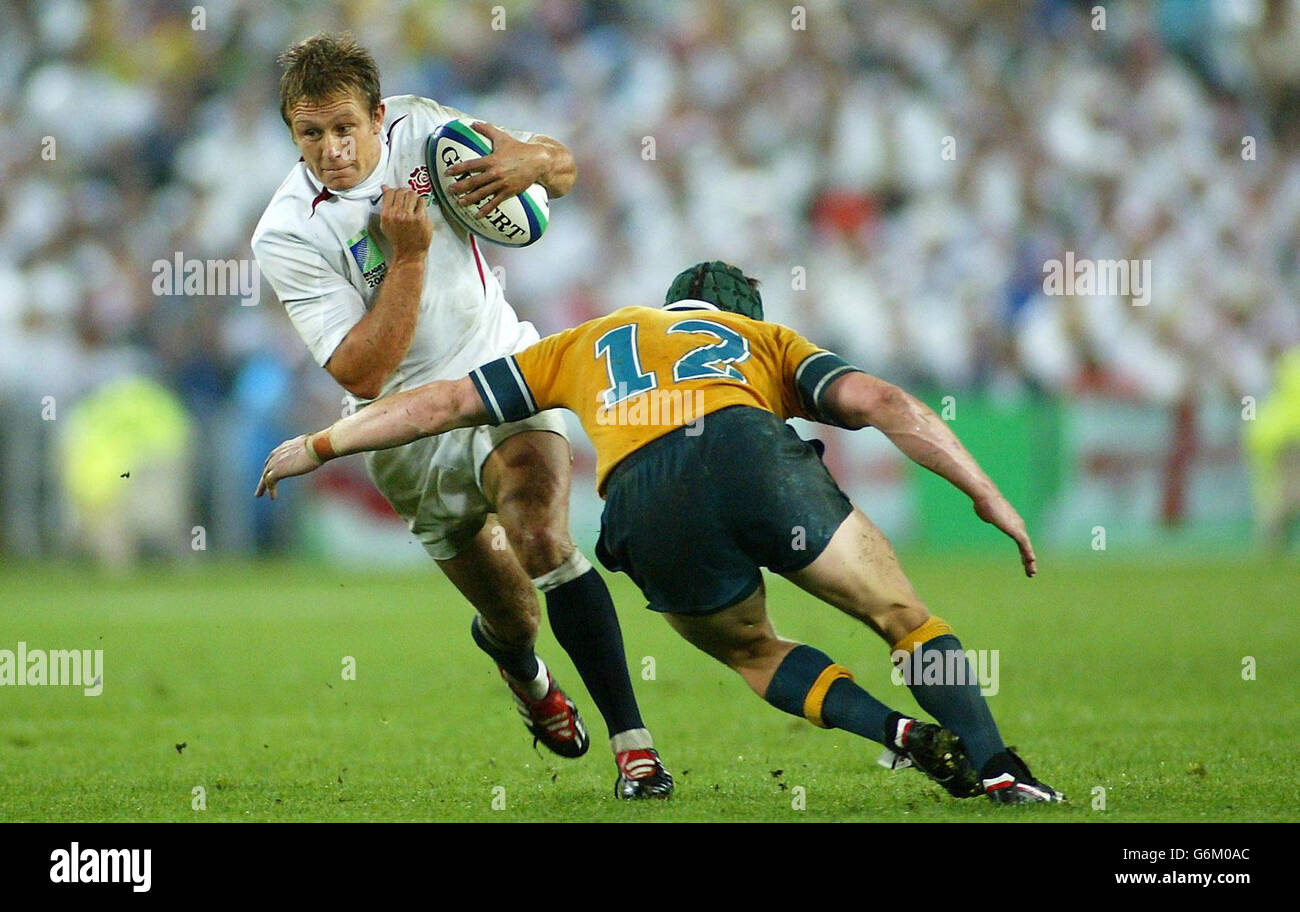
x=808, y=684
x=958, y=704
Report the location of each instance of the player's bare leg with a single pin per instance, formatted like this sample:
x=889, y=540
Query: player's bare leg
x=498, y=588
x=505, y=627
x=526, y=478
x=859, y=573
x=803, y=681
x=740, y=637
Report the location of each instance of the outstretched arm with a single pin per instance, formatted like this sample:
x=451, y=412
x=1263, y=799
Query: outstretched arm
x=859, y=400
x=388, y=422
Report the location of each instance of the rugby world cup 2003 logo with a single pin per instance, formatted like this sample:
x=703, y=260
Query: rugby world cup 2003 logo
x=370, y=259
x=420, y=182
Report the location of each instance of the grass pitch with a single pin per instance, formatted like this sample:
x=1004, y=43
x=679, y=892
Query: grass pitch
x=1118, y=676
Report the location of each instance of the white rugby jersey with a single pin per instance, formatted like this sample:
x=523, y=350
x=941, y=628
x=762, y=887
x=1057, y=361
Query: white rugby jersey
x=324, y=255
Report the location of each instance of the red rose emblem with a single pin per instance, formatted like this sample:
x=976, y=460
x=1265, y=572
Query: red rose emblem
x=420, y=182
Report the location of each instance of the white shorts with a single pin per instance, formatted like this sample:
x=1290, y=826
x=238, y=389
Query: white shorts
x=436, y=483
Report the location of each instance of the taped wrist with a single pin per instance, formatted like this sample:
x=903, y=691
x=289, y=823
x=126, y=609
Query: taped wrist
x=319, y=447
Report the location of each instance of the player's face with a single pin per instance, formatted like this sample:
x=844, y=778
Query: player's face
x=338, y=139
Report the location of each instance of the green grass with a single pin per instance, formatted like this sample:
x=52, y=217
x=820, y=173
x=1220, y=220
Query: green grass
x=1121, y=675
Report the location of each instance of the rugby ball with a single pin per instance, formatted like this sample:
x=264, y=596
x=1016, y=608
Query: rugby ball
x=517, y=222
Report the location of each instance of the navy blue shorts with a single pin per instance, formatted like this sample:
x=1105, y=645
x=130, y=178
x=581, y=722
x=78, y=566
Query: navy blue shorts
x=692, y=518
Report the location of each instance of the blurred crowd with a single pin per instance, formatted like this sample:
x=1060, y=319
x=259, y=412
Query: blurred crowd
x=896, y=173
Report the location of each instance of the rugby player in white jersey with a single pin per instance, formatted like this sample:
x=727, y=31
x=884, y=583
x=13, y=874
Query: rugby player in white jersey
x=388, y=295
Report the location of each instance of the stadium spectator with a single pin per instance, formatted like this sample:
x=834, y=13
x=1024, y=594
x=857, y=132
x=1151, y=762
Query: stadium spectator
x=708, y=128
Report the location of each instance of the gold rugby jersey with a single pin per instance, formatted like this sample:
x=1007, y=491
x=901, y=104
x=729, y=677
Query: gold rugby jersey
x=640, y=372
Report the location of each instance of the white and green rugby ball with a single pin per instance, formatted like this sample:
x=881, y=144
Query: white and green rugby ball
x=517, y=222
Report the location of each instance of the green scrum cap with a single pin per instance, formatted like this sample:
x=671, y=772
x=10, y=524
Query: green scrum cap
x=722, y=285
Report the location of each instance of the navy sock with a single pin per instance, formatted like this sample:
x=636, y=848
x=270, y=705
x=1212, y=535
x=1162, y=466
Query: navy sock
x=853, y=709
x=958, y=704
x=586, y=625
x=844, y=705
x=517, y=661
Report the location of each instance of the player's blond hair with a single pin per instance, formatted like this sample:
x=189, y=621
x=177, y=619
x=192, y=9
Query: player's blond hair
x=324, y=65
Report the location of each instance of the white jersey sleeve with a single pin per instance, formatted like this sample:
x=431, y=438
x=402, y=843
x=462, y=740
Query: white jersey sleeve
x=323, y=305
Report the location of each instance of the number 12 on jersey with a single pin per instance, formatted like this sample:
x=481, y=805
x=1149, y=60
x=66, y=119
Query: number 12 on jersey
x=623, y=359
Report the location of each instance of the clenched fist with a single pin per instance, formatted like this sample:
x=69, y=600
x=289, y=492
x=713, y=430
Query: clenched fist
x=405, y=222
